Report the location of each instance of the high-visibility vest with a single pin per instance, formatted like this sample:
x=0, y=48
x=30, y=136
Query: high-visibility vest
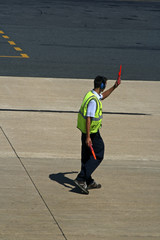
x=96, y=122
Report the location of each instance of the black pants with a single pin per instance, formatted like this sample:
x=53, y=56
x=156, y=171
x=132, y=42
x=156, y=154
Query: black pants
x=88, y=163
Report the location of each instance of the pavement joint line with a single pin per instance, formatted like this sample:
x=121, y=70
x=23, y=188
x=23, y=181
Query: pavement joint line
x=68, y=111
x=36, y=188
x=12, y=43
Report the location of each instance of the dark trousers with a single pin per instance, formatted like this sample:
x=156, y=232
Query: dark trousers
x=88, y=163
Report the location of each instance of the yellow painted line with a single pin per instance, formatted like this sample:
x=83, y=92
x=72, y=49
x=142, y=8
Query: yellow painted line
x=18, y=49
x=11, y=43
x=5, y=36
x=10, y=57
x=24, y=55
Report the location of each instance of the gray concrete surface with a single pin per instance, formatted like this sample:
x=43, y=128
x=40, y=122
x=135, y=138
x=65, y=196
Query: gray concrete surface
x=40, y=156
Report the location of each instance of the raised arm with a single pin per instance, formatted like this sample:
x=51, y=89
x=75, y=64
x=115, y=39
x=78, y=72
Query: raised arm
x=117, y=83
x=110, y=90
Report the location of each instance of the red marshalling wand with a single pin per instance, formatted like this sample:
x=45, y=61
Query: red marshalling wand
x=92, y=150
x=119, y=75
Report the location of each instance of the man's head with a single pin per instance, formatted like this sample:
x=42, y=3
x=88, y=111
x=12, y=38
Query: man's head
x=100, y=82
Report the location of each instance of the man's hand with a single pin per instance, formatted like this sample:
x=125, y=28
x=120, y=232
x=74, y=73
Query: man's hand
x=110, y=90
x=118, y=82
x=88, y=141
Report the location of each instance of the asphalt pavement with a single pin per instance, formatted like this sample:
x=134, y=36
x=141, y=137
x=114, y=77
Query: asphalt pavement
x=80, y=39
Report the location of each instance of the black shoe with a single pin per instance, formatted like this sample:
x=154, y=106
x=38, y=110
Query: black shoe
x=82, y=185
x=94, y=185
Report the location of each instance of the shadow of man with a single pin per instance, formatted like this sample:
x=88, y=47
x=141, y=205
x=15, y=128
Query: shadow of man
x=65, y=181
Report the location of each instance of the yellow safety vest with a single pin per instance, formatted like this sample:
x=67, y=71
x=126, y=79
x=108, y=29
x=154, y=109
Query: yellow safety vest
x=96, y=122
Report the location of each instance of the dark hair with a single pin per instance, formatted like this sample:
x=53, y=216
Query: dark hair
x=99, y=80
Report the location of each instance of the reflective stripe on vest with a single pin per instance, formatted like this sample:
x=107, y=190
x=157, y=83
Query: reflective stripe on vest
x=93, y=119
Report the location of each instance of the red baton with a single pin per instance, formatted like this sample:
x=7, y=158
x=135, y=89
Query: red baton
x=92, y=150
x=119, y=75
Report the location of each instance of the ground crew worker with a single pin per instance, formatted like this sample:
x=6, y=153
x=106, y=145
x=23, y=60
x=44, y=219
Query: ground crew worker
x=89, y=123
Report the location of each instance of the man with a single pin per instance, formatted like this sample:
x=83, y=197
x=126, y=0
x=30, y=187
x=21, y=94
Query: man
x=89, y=123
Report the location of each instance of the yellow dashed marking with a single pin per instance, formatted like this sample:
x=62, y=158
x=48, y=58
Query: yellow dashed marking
x=18, y=49
x=24, y=55
x=12, y=43
x=5, y=36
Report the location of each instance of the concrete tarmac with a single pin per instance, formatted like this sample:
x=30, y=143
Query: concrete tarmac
x=40, y=157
